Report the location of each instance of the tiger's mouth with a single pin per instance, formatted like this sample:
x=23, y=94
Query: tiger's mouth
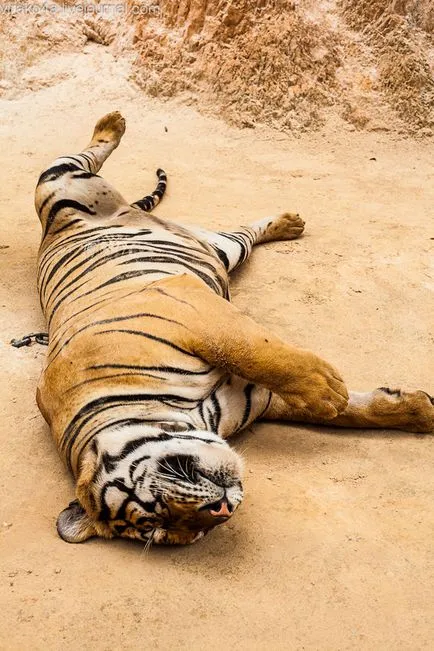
x=189, y=529
x=168, y=537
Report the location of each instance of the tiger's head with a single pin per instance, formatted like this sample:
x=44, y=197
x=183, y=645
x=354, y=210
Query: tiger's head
x=163, y=485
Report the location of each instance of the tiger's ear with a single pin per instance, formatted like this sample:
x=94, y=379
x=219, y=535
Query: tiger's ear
x=74, y=525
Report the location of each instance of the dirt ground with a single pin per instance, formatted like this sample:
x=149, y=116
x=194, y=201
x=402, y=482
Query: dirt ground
x=332, y=547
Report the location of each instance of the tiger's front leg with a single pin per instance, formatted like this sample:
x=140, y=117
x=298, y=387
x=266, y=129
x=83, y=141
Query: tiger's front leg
x=225, y=338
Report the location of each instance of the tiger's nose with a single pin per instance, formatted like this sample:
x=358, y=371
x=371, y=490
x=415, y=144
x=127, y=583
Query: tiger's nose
x=220, y=509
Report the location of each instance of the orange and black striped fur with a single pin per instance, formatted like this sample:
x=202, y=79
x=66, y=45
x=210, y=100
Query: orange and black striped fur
x=150, y=368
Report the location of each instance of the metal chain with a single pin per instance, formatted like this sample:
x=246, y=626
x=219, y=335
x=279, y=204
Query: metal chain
x=38, y=337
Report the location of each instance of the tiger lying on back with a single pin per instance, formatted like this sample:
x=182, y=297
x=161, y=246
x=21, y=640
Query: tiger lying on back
x=150, y=368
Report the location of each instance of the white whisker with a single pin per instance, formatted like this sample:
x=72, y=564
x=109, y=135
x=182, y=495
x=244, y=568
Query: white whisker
x=170, y=472
x=183, y=472
x=148, y=543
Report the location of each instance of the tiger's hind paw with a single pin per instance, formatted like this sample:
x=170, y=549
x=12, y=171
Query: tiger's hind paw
x=109, y=129
x=411, y=411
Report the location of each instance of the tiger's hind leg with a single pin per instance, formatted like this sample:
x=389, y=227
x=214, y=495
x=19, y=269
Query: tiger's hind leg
x=70, y=187
x=149, y=202
x=235, y=247
x=382, y=408
x=106, y=137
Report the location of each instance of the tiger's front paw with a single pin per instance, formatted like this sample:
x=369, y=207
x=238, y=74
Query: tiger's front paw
x=315, y=389
x=287, y=226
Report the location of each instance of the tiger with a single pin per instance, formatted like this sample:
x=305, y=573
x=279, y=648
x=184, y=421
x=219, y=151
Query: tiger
x=150, y=368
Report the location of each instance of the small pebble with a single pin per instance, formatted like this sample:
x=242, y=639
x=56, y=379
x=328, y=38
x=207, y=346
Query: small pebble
x=57, y=570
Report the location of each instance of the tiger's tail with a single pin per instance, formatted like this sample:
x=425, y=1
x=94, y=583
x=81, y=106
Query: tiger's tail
x=151, y=200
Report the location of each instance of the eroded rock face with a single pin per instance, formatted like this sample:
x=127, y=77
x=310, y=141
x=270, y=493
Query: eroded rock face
x=254, y=60
x=291, y=64
x=405, y=62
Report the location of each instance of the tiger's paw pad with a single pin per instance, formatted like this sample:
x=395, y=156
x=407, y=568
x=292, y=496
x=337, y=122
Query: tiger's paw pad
x=111, y=127
x=414, y=411
x=287, y=226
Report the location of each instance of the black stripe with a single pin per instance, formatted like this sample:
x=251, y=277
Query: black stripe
x=149, y=201
x=126, y=276
x=173, y=257
x=139, y=333
x=238, y=239
x=74, y=158
x=266, y=406
x=168, y=243
x=77, y=237
x=113, y=320
x=146, y=204
x=61, y=205
x=248, y=394
x=247, y=233
x=53, y=173
x=98, y=429
x=135, y=463
x=68, y=225
x=118, y=483
x=218, y=411
x=51, y=251
x=211, y=282
x=134, y=445
x=110, y=377
x=85, y=175
x=89, y=159
x=85, y=309
x=163, y=369
x=44, y=203
x=223, y=257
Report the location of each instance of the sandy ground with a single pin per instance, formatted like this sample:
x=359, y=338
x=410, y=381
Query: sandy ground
x=332, y=547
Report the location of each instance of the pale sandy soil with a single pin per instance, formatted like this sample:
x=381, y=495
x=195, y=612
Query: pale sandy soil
x=332, y=548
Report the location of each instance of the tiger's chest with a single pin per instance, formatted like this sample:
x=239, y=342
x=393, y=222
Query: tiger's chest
x=79, y=270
